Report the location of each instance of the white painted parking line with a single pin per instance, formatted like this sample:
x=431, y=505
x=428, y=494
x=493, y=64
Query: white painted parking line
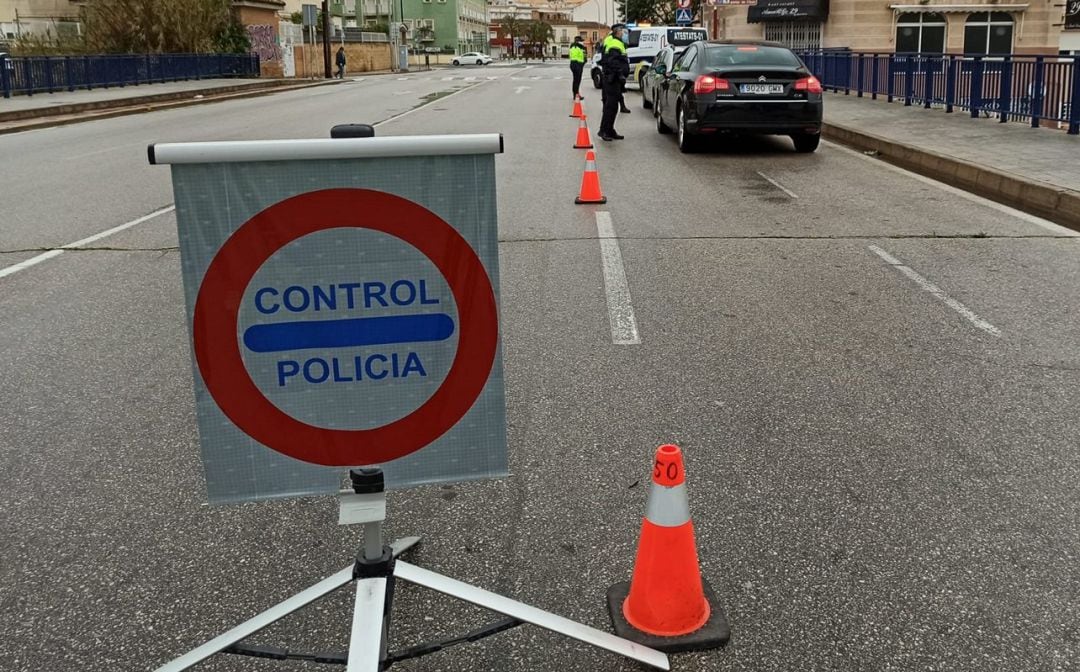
x=777, y=184
x=522, y=88
x=620, y=310
x=936, y=291
x=22, y=265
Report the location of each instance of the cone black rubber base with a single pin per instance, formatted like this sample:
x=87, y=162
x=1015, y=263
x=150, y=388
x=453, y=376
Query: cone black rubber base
x=583, y=147
x=714, y=634
x=603, y=199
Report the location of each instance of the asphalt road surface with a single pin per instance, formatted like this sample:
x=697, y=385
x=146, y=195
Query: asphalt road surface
x=875, y=379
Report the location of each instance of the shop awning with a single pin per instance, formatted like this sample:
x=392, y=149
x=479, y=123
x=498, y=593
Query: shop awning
x=958, y=9
x=788, y=10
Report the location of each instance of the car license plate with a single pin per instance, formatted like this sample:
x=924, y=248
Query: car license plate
x=759, y=89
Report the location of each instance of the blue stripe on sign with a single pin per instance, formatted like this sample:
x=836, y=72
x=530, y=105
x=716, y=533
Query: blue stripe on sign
x=348, y=333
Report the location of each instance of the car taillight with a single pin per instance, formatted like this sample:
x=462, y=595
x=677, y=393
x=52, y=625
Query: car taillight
x=808, y=84
x=708, y=84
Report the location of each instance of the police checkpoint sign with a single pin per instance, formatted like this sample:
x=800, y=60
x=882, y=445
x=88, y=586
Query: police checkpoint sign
x=343, y=309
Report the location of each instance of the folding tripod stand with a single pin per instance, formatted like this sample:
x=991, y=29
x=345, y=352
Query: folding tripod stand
x=375, y=572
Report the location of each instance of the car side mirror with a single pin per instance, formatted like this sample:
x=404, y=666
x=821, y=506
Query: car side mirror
x=661, y=70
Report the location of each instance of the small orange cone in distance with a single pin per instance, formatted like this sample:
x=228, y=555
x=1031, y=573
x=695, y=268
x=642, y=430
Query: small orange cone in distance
x=667, y=605
x=583, y=140
x=577, y=112
x=590, y=182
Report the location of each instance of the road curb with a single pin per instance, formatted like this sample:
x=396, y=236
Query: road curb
x=77, y=108
x=165, y=102
x=1051, y=202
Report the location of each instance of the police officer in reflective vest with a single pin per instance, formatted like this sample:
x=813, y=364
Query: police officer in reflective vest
x=577, y=64
x=616, y=69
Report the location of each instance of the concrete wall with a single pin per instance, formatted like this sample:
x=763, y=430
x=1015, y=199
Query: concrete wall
x=868, y=25
x=262, y=28
x=359, y=58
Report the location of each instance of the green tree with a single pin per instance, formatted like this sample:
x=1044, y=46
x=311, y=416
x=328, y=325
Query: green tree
x=539, y=35
x=233, y=39
x=514, y=27
x=158, y=26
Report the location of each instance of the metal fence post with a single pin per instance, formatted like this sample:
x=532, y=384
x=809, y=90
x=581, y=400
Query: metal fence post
x=928, y=82
x=67, y=73
x=1074, y=110
x=88, y=73
x=6, y=66
x=909, y=79
x=859, y=74
x=950, y=83
x=1037, y=92
x=49, y=83
x=847, y=74
x=873, y=76
x=1005, y=94
x=976, y=86
x=890, y=76
x=28, y=75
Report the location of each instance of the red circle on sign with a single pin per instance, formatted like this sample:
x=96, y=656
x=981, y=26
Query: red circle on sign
x=217, y=342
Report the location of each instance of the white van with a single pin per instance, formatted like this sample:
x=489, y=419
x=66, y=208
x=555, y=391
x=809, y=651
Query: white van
x=644, y=43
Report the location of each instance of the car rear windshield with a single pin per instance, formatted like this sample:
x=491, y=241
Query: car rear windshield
x=745, y=54
x=681, y=37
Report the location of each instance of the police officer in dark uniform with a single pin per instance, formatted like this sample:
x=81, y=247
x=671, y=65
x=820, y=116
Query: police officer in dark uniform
x=616, y=70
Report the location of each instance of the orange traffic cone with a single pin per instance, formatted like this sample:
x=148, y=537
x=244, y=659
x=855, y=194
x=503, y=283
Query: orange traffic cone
x=583, y=140
x=667, y=605
x=590, y=182
x=577, y=112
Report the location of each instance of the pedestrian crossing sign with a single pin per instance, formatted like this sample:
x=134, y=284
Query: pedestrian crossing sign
x=683, y=16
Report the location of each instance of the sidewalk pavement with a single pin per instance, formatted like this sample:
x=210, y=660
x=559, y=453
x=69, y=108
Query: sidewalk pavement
x=1033, y=169
x=48, y=103
x=20, y=113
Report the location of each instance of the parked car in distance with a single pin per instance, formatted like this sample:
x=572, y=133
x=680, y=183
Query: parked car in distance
x=472, y=58
x=651, y=78
x=739, y=86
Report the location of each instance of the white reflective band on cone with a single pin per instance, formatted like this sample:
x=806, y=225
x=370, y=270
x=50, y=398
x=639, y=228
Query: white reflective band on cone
x=668, y=506
x=590, y=166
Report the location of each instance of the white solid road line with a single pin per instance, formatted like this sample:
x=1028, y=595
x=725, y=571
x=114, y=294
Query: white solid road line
x=936, y=291
x=22, y=265
x=10, y=270
x=1027, y=217
x=620, y=310
x=777, y=184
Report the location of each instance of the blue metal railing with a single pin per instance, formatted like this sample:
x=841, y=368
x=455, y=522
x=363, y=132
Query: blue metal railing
x=1011, y=88
x=48, y=74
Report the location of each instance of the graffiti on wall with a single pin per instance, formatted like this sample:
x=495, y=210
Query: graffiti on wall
x=264, y=42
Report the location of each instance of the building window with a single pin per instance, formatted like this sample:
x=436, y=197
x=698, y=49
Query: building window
x=923, y=32
x=794, y=34
x=988, y=33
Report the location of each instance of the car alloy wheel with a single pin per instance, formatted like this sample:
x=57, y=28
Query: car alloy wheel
x=687, y=142
x=479, y=62
x=661, y=127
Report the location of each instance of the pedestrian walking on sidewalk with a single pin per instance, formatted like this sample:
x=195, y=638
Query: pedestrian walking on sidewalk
x=341, y=63
x=577, y=65
x=616, y=69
